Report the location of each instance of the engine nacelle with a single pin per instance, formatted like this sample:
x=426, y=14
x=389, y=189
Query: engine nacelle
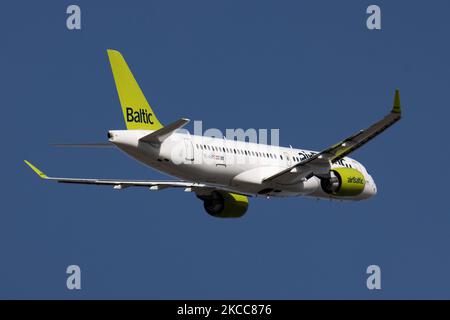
x=221, y=204
x=344, y=182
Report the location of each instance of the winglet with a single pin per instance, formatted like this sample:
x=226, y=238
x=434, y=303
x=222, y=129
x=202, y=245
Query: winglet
x=38, y=172
x=396, y=108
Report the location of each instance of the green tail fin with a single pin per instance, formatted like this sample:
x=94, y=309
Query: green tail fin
x=137, y=113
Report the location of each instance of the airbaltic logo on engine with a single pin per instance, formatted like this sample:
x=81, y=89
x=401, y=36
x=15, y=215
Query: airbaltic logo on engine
x=141, y=116
x=355, y=180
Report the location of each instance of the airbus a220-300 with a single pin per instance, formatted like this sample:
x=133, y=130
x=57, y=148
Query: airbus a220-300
x=224, y=173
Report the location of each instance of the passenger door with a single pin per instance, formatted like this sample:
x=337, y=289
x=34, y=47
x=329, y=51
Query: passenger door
x=189, y=148
x=287, y=159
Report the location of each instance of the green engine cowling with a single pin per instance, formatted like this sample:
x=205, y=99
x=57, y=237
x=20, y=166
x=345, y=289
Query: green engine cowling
x=344, y=182
x=221, y=204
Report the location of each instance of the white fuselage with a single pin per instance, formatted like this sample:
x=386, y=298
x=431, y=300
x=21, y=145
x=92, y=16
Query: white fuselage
x=236, y=166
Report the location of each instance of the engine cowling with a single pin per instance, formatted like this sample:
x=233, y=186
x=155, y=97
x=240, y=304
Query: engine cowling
x=221, y=204
x=344, y=182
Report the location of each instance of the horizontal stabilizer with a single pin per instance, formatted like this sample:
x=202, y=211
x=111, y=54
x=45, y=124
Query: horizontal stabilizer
x=160, y=135
x=84, y=145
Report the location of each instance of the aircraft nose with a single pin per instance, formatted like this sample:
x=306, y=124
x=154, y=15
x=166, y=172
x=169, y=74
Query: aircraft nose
x=374, y=186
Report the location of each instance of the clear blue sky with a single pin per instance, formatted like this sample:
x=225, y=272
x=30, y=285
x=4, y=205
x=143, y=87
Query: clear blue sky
x=312, y=69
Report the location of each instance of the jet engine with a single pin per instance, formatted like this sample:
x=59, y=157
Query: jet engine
x=344, y=182
x=221, y=204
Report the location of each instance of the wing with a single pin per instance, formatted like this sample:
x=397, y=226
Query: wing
x=320, y=163
x=122, y=184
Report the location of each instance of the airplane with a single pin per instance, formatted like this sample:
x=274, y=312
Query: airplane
x=224, y=173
